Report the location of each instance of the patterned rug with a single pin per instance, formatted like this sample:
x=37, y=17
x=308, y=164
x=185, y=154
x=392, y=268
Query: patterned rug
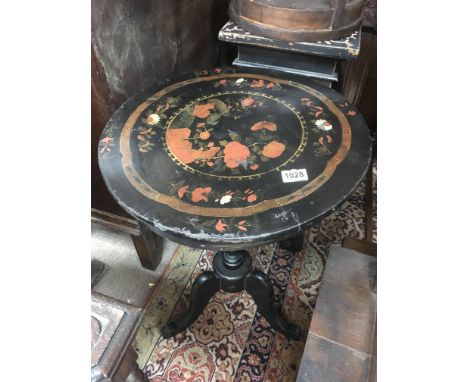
x=230, y=341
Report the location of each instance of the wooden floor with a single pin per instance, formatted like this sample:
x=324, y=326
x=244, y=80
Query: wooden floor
x=341, y=343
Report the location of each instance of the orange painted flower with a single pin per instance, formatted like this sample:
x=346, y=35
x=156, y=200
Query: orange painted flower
x=257, y=84
x=254, y=166
x=251, y=198
x=204, y=135
x=273, y=149
x=235, y=153
x=264, y=125
x=201, y=124
x=203, y=111
x=270, y=85
x=210, y=164
x=247, y=102
x=181, y=147
x=200, y=194
x=223, y=82
x=181, y=191
x=220, y=226
x=210, y=144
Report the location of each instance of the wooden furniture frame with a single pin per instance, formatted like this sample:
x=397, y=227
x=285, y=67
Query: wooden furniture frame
x=113, y=328
x=147, y=244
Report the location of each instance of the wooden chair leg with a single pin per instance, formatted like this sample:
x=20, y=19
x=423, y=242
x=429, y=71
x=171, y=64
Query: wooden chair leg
x=149, y=248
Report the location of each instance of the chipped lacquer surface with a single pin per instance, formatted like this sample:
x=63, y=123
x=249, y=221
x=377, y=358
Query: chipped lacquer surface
x=199, y=157
x=345, y=48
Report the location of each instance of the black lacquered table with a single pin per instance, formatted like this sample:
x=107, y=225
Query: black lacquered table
x=230, y=159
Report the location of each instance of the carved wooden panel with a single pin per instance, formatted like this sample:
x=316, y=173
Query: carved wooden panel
x=113, y=328
x=104, y=321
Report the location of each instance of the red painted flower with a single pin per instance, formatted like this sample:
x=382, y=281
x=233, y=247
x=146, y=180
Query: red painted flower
x=204, y=135
x=241, y=226
x=200, y=194
x=273, y=149
x=220, y=226
x=257, y=84
x=254, y=166
x=203, y=111
x=264, y=125
x=106, y=140
x=223, y=82
x=249, y=101
x=181, y=191
x=235, y=153
x=251, y=198
x=181, y=147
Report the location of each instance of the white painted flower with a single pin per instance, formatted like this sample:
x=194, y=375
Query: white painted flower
x=239, y=81
x=323, y=124
x=153, y=119
x=225, y=199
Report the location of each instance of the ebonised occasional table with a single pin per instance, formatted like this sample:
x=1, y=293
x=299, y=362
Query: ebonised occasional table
x=230, y=159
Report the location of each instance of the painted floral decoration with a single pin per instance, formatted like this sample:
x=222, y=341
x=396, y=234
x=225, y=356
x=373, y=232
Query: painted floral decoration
x=195, y=144
x=153, y=119
x=323, y=125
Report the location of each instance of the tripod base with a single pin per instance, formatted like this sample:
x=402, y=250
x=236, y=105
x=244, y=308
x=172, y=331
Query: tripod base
x=232, y=272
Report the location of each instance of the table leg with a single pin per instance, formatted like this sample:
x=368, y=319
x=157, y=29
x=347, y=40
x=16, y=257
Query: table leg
x=232, y=272
x=259, y=286
x=293, y=244
x=149, y=248
x=203, y=288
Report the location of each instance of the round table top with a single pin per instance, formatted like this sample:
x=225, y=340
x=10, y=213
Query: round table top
x=233, y=158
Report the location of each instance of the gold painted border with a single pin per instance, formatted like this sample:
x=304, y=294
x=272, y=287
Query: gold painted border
x=138, y=183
